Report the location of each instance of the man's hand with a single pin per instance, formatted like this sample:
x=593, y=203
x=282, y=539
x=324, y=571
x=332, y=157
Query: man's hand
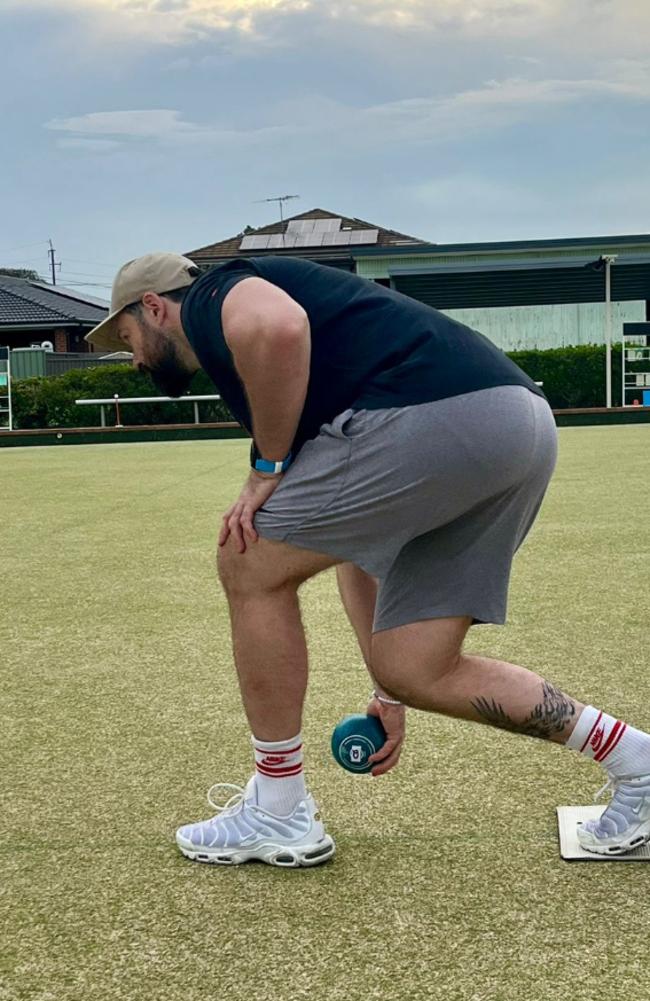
x=393, y=719
x=238, y=519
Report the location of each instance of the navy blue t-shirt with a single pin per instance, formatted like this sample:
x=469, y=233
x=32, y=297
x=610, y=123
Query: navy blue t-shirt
x=371, y=347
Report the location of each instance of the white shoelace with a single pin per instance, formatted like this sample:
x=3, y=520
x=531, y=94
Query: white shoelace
x=231, y=803
x=612, y=783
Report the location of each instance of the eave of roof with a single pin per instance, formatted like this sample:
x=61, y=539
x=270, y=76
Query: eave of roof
x=448, y=249
x=522, y=264
x=67, y=293
x=23, y=302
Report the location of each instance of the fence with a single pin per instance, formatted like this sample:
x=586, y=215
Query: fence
x=58, y=362
x=26, y=363
x=116, y=401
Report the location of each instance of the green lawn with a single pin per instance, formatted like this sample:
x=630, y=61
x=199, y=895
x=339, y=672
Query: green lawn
x=120, y=708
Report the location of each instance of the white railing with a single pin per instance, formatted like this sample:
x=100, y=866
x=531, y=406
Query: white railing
x=116, y=400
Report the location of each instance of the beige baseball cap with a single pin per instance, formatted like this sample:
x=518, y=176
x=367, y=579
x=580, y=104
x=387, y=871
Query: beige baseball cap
x=160, y=272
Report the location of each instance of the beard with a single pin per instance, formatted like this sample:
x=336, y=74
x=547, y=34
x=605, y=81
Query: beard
x=168, y=373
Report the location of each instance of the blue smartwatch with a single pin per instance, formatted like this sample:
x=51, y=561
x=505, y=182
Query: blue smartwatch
x=267, y=465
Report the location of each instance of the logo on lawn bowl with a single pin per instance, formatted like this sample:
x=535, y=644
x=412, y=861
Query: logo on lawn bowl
x=355, y=751
x=355, y=739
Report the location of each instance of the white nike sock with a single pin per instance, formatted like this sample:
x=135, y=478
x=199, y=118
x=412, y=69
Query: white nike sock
x=618, y=747
x=279, y=776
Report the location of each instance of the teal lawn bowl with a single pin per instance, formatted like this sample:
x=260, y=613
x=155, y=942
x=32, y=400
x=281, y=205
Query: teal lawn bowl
x=355, y=739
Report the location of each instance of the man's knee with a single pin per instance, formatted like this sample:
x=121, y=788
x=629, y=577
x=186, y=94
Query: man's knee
x=245, y=572
x=266, y=566
x=406, y=659
x=407, y=685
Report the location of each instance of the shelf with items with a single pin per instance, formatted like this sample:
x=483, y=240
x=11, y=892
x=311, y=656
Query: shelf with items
x=6, y=420
x=635, y=365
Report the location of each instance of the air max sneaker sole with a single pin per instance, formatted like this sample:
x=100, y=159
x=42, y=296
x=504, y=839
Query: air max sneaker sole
x=242, y=831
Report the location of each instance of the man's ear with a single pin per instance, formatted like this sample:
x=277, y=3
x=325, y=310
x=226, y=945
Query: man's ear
x=154, y=304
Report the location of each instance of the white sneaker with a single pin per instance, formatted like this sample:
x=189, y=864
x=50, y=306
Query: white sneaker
x=625, y=824
x=242, y=830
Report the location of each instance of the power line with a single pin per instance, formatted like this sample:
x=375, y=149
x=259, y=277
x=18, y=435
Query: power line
x=22, y=246
x=24, y=260
x=82, y=274
x=35, y=260
x=84, y=260
x=87, y=284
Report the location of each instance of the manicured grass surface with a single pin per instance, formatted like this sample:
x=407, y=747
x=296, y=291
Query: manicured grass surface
x=120, y=708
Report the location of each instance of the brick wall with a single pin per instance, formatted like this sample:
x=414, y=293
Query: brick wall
x=60, y=340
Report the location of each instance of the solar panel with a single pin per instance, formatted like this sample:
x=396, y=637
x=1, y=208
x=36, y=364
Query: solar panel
x=327, y=225
x=341, y=239
x=310, y=233
x=364, y=235
x=279, y=240
x=304, y=226
x=259, y=242
x=310, y=240
x=300, y=226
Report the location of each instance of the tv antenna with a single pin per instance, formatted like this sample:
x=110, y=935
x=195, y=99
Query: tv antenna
x=279, y=199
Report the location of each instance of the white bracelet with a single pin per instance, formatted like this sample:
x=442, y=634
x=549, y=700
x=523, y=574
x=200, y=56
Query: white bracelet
x=386, y=701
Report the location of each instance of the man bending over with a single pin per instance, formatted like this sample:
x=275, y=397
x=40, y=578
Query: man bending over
x=407, y=450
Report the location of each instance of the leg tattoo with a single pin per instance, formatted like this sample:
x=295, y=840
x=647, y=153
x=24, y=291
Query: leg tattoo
x=551, y=715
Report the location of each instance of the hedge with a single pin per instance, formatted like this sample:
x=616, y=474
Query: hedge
x=49, y=402
x=572, y=377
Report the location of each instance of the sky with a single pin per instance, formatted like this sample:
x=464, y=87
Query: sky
x=130, y=126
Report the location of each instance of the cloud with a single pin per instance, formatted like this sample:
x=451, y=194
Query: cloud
x=143, y=124
x=169, y=21
x=90, y=145
x=470, y=205
x=485, y=195
x=544, y=22
x=498, y=104
x=162, y=126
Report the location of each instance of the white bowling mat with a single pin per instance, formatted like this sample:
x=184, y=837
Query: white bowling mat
x=568, y=818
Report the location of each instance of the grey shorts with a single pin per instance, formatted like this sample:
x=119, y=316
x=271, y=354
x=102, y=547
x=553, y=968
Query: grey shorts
x=433, y=499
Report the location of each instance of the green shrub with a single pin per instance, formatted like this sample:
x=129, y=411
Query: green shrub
x=50, y=402
x=572, y=377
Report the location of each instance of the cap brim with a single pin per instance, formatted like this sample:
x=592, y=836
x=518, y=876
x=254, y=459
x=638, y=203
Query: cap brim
x=105, y=335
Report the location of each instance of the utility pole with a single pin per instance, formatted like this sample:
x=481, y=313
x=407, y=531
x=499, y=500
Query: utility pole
x=53, y=264
x=608, y=260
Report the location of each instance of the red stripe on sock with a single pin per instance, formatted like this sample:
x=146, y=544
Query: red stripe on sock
x=617, y=732
x=279, y=773
x=600, y=716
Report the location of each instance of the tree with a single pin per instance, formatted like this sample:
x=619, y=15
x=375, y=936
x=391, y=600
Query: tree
x=32, y=276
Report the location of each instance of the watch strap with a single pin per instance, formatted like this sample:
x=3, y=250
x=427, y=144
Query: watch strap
x=262, y=465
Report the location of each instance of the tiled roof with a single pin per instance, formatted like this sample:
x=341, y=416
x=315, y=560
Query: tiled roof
x=230, y=247
x=24, y=302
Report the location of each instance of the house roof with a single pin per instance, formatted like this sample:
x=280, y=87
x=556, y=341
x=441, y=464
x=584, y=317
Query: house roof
x=24, y=303
x=519, y=246
x=227, y=249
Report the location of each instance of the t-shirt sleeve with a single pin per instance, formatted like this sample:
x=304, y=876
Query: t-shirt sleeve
x=233, y=273
x=201, y=320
